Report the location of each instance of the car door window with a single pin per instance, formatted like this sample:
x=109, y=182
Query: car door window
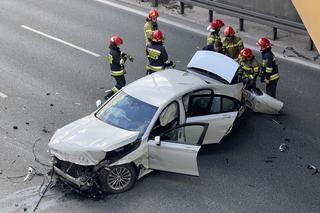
x=198, y=103
x=228, y=104
x=189, y=134
x=168, y=119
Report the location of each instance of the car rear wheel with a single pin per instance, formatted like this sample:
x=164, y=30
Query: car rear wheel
x=118, y=178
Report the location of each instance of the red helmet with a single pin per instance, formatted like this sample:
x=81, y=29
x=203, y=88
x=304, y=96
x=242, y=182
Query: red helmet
x=264, y=43
x=116, y=40
x=157, y=36
x=216, y=25
x=229, y=31
x=246, y=53
x=153, y=13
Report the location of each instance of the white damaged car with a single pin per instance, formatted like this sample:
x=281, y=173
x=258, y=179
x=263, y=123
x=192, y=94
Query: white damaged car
x=158, y=122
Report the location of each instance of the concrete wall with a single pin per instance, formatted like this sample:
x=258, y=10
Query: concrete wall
x=278, y=8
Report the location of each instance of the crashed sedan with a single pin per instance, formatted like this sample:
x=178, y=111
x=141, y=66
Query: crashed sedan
x=158, y=122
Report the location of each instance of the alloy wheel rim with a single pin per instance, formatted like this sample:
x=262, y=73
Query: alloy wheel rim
x=119, y=178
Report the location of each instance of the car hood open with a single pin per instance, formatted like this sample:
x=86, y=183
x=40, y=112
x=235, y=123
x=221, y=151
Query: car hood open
x=216, y=63
x=86, y=141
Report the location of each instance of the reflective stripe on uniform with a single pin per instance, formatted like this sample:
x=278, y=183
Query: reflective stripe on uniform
x=246, y=67
x=269, y=70
x=117, y=73
x=114, y=89
x=264, y=63
x=274, y=77
x=154, y=68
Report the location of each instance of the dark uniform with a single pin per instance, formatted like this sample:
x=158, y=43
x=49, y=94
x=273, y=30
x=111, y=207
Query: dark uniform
x=269, y=71
x=116, y=60
x=248, y=72
x=157, y=56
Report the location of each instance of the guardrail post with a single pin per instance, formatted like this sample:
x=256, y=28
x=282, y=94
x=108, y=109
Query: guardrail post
x=210, y=15
x=275, y=33
x=311, y=44
x=182, y=7
x=241, y=24
x=155, y=3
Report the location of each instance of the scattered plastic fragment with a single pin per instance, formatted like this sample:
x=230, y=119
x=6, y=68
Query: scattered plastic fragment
x=283, y=147
x=45, y=130
x=312, y=167
x=277, y=122
x=30, y=174
x=27, y=123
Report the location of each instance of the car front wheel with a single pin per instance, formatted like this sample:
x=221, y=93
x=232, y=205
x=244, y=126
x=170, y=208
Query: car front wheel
x=117, y=179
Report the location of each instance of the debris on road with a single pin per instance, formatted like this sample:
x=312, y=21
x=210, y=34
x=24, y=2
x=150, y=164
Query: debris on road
x=30, y=174
x=277, y=122
x=312, y=167
x=51, y=105
x=268, y=161
x=287, y=139
x=77, y=103
x=15, y=127
x=227, y=160
x=45, y=130
x=48, y=93
x=283, y=147
x=0, y=172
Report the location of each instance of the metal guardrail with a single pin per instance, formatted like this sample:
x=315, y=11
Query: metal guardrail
x=245, y=14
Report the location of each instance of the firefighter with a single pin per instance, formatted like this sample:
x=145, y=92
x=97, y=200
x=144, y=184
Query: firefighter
x=270, y=72
x=157, y=54
x=151, y=25
x=214, y=31
x=117, y=59
x=232, y=43
x=249, y=69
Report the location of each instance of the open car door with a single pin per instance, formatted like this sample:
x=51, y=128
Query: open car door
x=177, y=149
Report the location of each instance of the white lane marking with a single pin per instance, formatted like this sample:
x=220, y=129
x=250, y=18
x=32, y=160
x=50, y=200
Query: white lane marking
x=2, y=95
x=188, y=28
x=60, y=40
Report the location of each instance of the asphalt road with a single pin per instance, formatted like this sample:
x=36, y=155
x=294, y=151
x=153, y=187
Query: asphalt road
x=49, y=83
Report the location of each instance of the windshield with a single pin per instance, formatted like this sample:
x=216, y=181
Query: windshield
x=127, y=112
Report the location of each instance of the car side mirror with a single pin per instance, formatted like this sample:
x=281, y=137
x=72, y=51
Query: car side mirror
x=98, y=103
x=157, y=140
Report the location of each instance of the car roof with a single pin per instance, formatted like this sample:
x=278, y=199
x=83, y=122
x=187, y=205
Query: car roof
x=160, y=87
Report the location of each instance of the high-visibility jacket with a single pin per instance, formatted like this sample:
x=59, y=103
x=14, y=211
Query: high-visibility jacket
x=269, y=65
x=249, y=69
x=157, y=56
x=232, y=47
x=213, y=37
x=116, y=61
x=148, y=28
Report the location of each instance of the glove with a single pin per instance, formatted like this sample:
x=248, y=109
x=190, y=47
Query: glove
x=170, y=64
x=130, y=58
x=245, y=80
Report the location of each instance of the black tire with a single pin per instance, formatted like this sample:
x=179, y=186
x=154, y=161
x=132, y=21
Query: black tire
x=118, y=179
